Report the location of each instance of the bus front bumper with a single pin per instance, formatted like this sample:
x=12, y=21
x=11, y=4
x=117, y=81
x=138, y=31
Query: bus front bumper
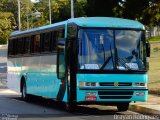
x=104, y=96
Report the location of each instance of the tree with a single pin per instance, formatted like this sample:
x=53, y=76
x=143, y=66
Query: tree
x=12, y=7
x=60, y=9
x=145, y=11
x=7, y=24
x=100, y=7
x=151, y=14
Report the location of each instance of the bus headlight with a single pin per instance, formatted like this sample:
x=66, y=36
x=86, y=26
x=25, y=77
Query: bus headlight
x=88, y=84
x=140, y=84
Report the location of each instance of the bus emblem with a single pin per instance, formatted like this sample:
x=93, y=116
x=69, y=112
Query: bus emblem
x=116, y=84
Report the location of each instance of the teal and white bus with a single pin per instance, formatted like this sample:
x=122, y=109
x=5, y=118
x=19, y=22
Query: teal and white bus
x=87, y=60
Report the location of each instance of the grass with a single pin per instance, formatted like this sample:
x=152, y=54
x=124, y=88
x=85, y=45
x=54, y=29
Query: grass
x=154, y=39
x=154, y=67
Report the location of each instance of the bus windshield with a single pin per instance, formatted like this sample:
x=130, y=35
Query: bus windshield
x=106, y=49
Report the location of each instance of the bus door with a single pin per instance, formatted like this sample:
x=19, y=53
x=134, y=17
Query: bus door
x=61, y=69
x=71, y=61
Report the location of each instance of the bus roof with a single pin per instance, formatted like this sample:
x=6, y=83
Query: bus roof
x=109, y=22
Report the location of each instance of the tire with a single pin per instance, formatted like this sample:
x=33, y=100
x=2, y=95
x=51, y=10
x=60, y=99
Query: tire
x=123, y=107
x=24, y=94
x=70, y=107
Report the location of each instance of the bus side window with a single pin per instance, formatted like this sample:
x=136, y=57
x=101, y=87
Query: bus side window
x=27, y=45
x=45, y=42
x=59, y=34
x=53, y=41
x=20, y=46
x=15, y=47
x=72, y=31
x=10, y=48
x=35, y=43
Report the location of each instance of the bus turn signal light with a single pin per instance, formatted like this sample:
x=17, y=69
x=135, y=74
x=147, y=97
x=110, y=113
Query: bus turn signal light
x=88, y=84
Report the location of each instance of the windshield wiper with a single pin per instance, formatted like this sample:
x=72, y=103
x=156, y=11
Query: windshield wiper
x=108, y=59
x=123, y=63
x=105, y=63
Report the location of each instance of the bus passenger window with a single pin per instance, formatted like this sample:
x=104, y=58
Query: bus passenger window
x=15, y=47
x=20, y=46
x=71, y=31
x=27, y=45
x=10, y=47
x=45, y=41
x=36, y=43
x=53, y=41
x=59, y=34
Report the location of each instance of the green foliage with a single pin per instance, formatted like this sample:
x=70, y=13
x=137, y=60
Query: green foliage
x=26, y=10
x=145, y=11
x=7, y=24
x=152, y=14
x=101, y=8
x=154, y=39
x=60, y=9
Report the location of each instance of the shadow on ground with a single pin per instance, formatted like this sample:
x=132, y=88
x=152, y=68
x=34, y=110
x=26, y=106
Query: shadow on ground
x=59, y=106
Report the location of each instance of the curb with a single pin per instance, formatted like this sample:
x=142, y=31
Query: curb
x=154, y=92
x=143, y=110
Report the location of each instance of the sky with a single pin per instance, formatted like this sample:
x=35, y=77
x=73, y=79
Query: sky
x=34, y=0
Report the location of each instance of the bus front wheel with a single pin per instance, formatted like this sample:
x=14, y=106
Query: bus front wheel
x=70, y=107
x=123, y=107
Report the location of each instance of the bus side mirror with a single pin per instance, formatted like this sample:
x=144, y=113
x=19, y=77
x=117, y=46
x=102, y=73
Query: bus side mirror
x=148, y=49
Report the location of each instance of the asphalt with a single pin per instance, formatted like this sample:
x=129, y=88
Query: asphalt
x=12, y=107
x=151, y=107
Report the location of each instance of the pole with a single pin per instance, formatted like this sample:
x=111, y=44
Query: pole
x=72, y=9
x=19, y=15
x=50, y=19
x=27, y=23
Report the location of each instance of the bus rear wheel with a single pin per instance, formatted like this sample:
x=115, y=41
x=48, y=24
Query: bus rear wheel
x=24, y=94
x=123, y=106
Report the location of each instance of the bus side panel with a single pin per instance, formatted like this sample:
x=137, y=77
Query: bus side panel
x=31, y=68
x=41, y=75
x=112, y=93
x=49, y=75
x=14, y=66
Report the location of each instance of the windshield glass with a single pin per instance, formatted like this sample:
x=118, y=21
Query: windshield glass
x=102, y=49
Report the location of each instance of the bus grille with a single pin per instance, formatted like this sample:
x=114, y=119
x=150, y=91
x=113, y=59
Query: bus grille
x=115, y=94
x=112, y=84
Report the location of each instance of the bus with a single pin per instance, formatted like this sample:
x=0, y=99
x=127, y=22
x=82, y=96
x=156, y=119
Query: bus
x=81, y=61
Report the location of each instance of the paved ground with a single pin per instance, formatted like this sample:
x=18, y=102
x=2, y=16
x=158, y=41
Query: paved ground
x=3, y=65
x=40, y=109
x=152, y=106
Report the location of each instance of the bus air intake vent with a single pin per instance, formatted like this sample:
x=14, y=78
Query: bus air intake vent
x=112, y=84
x=115, y=94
